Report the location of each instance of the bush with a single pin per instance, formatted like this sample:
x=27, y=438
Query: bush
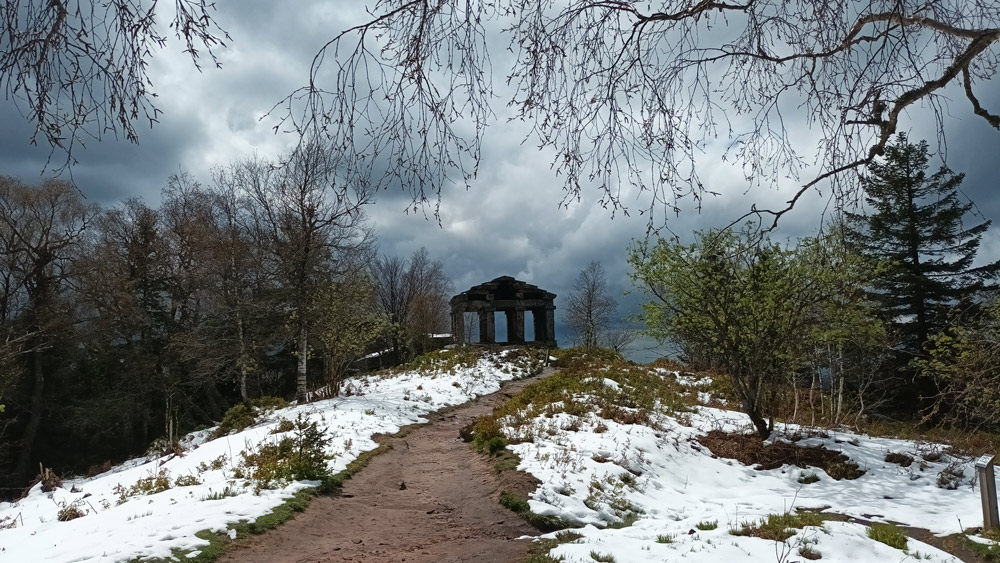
x=902, y=460
x=240, y=417
x=284, y=425
x=145, y=486
x=267, y=403
x=808, y=478
x=301, y=456
x=951, y=477
x=71, y=512
x=186, y=481
x=245, y=415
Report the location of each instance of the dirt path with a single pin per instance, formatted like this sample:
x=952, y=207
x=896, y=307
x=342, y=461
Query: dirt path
x=430, y=498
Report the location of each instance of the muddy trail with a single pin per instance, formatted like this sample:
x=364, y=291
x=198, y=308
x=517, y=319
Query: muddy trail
x=429, y=498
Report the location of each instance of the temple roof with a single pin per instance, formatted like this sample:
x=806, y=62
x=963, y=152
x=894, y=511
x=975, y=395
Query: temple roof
x=504, y=288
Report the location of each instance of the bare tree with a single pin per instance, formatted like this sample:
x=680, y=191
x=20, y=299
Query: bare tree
x=313, y=227
x=429, y=312
x=392, y=297
x=40, y=233
x=590, y=309
x=413, y=295
x=78, y=69
x=628, y=94
x=620, y=338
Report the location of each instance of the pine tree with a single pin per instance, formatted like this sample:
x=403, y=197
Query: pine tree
x=915, y=231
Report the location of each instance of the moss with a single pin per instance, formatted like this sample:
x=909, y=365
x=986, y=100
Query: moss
x=888, y=534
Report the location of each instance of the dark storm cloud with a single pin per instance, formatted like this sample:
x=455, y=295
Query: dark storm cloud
x=508, y=223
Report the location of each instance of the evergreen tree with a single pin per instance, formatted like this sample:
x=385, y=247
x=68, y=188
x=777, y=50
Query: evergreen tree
x=915, y=231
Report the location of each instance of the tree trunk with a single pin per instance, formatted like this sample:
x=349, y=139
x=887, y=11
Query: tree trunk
x=300, y=380
x=24, y=464
x=763, y=430
x=795, y=396
x=840, y=386
x=243, y=357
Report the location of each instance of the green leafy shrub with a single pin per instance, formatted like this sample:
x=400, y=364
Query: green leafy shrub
x=245, y=415
x=284, y=425
x=300, y=456
x=240, y=417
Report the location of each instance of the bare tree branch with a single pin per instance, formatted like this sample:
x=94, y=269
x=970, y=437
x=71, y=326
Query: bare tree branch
x=627, y=101
x=78, y=69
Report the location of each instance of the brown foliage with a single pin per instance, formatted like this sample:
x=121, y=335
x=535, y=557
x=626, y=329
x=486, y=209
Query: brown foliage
x=749, y=450
x=902, y=460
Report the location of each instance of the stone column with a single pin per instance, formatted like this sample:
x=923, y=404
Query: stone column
x=550, y=324
x=538, y=320
x=487, y=330
x=458, y=327
x=515, y=325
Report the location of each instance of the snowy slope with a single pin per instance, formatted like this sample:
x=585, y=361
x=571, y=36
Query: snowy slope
x=154, y=525
x=596, y=472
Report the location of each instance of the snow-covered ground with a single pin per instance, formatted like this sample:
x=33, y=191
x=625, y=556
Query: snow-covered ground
x=597, y=472
x=116, y=527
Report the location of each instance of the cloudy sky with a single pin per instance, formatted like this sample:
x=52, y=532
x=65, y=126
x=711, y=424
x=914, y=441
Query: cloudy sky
x=508, y=223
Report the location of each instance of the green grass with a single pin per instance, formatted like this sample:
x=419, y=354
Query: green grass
x=602, y=557
x=508, y=463
x=707, y=525
x=664, y=539
x=808, y=478
x=627, y=520
x=777, y=526
x=519, y=505
x=986, y=552
x=539, y=550
x=578, y=389
x=888, y=534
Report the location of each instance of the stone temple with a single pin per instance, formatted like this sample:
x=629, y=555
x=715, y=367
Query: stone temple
x=511, y=297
